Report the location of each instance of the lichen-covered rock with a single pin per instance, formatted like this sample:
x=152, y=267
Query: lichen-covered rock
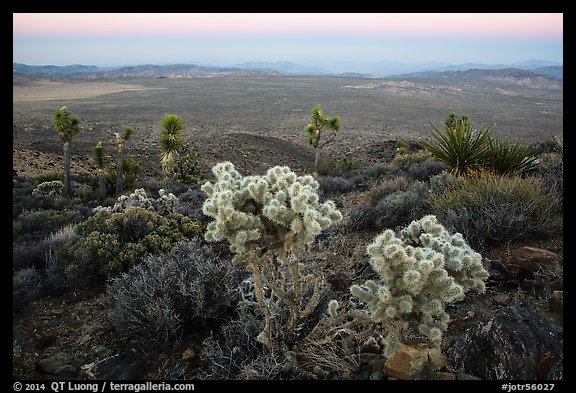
x=517, y=344
x=416, y=282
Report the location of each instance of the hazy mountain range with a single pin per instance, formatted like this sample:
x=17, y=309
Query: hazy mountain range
x=376, y=69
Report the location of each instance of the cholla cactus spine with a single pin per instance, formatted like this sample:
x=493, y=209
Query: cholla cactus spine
x=416, y=282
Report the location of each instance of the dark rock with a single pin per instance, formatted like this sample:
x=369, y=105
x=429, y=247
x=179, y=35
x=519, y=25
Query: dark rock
x=556, y=302
x=339, y=282
x=50, y=364
x=517, y=344
x=177, y=371
x=123, y=366
x=54, y=322
x=66, y=371
x=45, y=341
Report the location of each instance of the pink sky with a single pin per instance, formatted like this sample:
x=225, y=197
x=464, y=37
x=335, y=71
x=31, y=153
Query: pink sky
x=548, y=25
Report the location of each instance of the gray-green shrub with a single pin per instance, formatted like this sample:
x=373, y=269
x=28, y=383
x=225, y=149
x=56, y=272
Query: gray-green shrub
x=489, y=209
x=167, y=295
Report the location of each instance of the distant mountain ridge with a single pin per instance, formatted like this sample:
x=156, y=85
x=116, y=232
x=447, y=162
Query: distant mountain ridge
x=516, y=76
x=540, y=67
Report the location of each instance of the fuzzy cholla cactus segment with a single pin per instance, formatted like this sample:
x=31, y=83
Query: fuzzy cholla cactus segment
x=50, y=188
x=461, y=261
x=279, y=208
x=415, y=282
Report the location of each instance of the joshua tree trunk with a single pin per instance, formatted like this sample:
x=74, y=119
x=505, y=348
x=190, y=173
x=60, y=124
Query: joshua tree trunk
x=102, y=187
x=316, y=160
x=67, y=190
x=119, y=175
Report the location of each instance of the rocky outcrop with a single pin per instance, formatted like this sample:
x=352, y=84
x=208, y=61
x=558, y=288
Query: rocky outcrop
x=517, y=344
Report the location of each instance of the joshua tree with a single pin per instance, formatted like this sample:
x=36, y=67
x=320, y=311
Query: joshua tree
x=67, y=128
x=170, y=142
x=121, y=139
x=314, y=131
x=100, y=164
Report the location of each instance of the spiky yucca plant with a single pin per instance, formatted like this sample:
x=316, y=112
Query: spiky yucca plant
x=121, y=139
x=507, y=157
x=460, y=146
x=99, y=160
x=170, y=142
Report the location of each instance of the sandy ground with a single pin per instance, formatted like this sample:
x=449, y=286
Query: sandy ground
x=46, y=90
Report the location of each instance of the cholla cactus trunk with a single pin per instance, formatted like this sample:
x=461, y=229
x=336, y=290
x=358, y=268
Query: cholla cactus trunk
x=420, y=271
x=266, y=219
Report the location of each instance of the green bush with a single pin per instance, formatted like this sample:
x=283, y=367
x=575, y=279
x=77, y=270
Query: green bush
x=110, y=243
x=489, y=209
x=49, y=176
x=40, y=223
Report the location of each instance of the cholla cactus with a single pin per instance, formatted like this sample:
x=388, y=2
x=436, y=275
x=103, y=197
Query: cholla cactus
x=461, y=261
x=166, y=203
x=416, y=282
x=266, y=218
x=50, y=188
x=278, y=209
x=163, y=205
x=137, y=199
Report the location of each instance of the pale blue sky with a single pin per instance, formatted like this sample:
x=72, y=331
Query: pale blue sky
x=226, y=39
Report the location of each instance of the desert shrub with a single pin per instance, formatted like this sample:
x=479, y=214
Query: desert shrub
x=345, y=164
x=362, y=217
x=551, y=173
x=27, y=285
x=170, y=294
x=27, y=255
x=110, y=243
x=371, y=173
x=419, y=271
x=334, y=185
x=386, y=187
x=326, y=167
x=553, y=145
x=191, y=204
x=38, y=223
x=236, y=347
x=150, y=184
x=49, y=177
x=422, y=170
x=30, y=202
x=23, y=363
x=402, y=207
x=489, y=209
x=55, y=275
